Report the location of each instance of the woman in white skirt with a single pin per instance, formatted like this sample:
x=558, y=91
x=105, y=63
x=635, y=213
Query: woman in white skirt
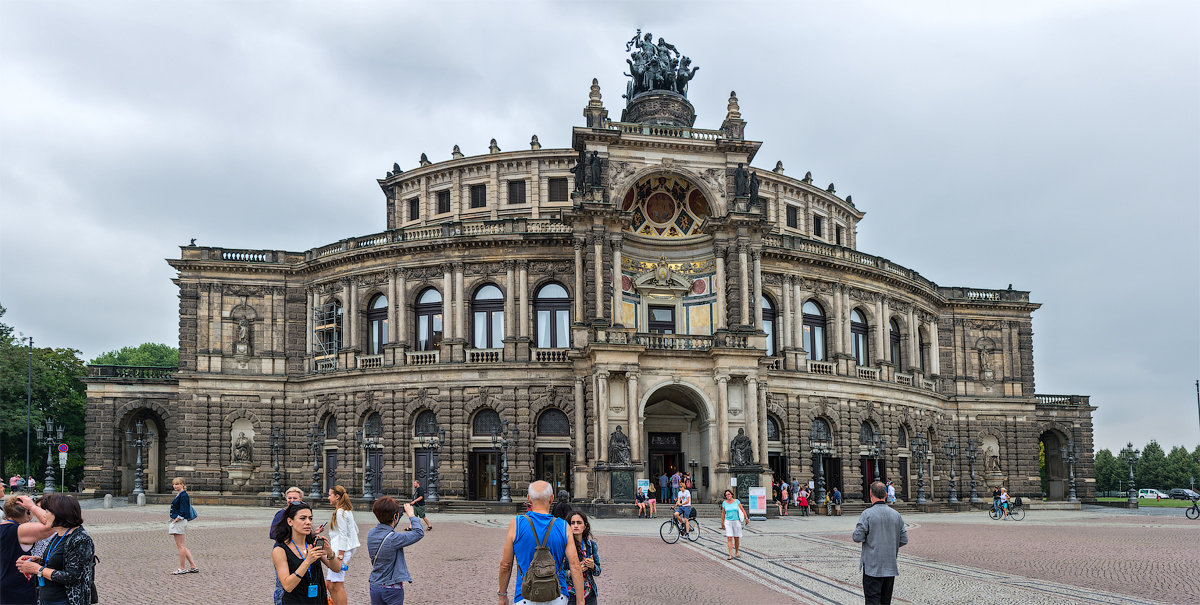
x=343, y=539
x=732, y=522
x=181, y=508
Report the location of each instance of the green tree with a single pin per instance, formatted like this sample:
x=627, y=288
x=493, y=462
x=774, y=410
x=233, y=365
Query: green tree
x=1180, y=468
x=145, y=354
x=58, y=393
x=1150, y=470
x=1108, y=472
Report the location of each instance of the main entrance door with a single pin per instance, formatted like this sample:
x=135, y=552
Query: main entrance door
x=483, y=469
x=665, y=454
x=868, y=474
x=554, y=467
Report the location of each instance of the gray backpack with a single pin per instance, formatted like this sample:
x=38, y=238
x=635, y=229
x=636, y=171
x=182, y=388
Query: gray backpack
x=540, y=581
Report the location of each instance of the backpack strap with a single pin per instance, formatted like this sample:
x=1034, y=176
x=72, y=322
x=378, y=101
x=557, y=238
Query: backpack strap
x=380, y=549
x=533, y=530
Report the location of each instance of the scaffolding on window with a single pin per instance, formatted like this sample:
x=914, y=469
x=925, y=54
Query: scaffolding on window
x=327, y=336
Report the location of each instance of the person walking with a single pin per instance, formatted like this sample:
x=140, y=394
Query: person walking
x=784, y=499
x=891, y=492
x=291, y=496
x=65, y=573
x=732, y=522
x=385, y=546
x=802, y=501
x=418, y=503
x=837, y=502
x=881, y=531
x=538, y=528
x=181, y=507
x=343, y=540
x=18, y=533
x=589, y=557
x=795, y=491
x=298, y=556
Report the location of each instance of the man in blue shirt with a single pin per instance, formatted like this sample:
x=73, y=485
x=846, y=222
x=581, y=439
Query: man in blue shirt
x=521, y=542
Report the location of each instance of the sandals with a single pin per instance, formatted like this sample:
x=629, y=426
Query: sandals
x=179, y=572
x=194, y=570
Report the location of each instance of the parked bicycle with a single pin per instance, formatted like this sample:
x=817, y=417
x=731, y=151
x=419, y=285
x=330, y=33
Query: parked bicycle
x=671, y=529
x=1193, y=511
x=1015, y=510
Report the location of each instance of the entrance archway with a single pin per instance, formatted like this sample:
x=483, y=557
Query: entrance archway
x=153, y=464
x=677, y=432
x=1053, y=467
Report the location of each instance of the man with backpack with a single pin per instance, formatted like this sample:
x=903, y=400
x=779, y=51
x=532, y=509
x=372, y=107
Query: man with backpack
x=544, y=552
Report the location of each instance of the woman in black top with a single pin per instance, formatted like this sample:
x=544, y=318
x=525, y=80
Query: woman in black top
x=562, y=505
x=64, y=573
x=18, y=533
x=298, y=557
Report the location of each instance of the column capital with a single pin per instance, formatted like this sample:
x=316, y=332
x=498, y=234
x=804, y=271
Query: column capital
x=757, y=254
x=522, y=264
x=721, y=377
x=631, y=376
x=581, y=380
x=615, y=242
x=509, y=265
x=743, y=247
x=447, y=267
x=602, y=374
x=458, y=266
x=751, y=380
x=581, y=242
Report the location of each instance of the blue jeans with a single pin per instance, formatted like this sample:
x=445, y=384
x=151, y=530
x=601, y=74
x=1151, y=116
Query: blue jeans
x=278, y=591
x=384, y=595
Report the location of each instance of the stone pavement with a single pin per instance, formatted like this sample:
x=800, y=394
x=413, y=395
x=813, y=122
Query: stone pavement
x=1050, y=557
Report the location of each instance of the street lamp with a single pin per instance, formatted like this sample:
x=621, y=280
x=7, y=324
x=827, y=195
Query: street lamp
x=139, y=439
x=972, y=454
x=1069, y=453
x=820, y=449
x=920, y=448
x=316, y=442
x=433, y=443
x=276, y=453
x=369, y=442
x=877, y=449
x=952, y=453
x=49, y=441
x=500, y=438
x=1130, y=456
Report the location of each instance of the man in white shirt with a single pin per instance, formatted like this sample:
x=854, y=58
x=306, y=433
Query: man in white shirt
x=684, y=501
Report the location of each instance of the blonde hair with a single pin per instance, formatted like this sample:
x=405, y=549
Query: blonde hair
x=179, y=480
x=12, y=508
x=343, y=502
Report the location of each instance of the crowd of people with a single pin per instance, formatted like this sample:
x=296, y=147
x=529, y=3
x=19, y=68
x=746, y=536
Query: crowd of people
x=46, y=556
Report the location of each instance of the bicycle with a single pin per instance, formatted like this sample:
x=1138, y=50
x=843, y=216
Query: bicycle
x=671, y=529
x=1193, y=511
x=1016, y=511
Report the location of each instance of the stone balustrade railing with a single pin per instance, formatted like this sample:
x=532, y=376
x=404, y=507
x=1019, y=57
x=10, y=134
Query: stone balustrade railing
x=659, y=130
x=550, y=355
x=905, y=379
x=325, y=363
x=867, y=373
x=674, y=342
x=366, y=362
x=132, y=372
x=485, y=355
x=1063, y=400
x=821, y=367
x=422, y=358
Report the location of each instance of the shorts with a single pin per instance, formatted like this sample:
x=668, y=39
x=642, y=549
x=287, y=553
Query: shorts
x=419, y=511
x=685, y=511
x=733, y=529
x=561, y=600
x=652, y=501
x=177, y=527
x=339, y=576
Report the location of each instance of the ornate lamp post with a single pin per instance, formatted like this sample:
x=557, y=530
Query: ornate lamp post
x=1130, y=456
x=1069, y=454
x=139, y=438
x=369, y=442
x=276, y=454
x=49, y=441
x=500, y=438
x=972, y=454
x=316, y=442
x=433, y=443
x=878, y=450
x=920, y=448
x=952, y=453
x=820, y=449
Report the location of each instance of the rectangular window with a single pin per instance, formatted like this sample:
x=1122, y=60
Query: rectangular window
x=661, y=320
x=793, y=217
x=478, y=196
x=559, y=191
x=837, y=231
x=443, y=201
x=516, y=192
x=818, y=226
x=414, y=209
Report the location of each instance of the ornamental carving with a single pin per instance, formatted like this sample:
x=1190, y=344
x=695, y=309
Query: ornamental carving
x=715, y=179
x=771, y=279
x=241, y=290
x=551, y=267
x=618, y=172
x=370, y=279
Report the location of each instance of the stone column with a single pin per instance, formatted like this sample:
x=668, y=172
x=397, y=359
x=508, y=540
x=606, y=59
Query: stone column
x=880, y=332
x=756, y=300
x=401, y=305
x=834, y=326
x=631, y=405
x=352, y=316
x=719, y=286
x=447, y=302
x=580, y=429
x=799, y=295
x=602, y=405
x=391, y=308
x=744, y=317
x=460, y=304
x=579, y=272
x=347, y=314
x=722, y=452
x=914, y=346
x=616, y=283
x=762, y=425
x=750, y=408
x=598, y=242
x=935, y=355
x=308, y=314
x=784, y=326
x=523, y=271
x=510, y=293
x=846, y=308
x=886, y=325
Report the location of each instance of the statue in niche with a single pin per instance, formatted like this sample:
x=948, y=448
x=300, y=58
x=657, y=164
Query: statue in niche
x=619, y=452
x=741, y=181
x=754, y=188
x=594, y=165
x=241, y=448
x=742, y=452
x=581, y=172
x=243, y=331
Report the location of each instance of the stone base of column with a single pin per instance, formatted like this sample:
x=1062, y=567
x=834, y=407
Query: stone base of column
x=453, y=350
x=522, y=348
x=603, y=485
x=584, y=487
x=393, y=354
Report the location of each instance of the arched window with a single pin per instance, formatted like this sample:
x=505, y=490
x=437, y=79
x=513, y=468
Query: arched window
x=773, y=433
x=553, y=423
x=488, y=310
x=486, y=422
x=768, y=311
x=429, y=320
x=866, y=432
x=552, y=317
x=373, y=425
x=820, y=430
x=902, y=438
x=377, y=325
x=923, y=346
x=331, y=427
x=814, y=331
x=858, y=338
x=426, y=424
x=894, y=338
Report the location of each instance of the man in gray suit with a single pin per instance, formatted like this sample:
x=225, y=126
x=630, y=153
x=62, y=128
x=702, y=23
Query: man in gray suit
x=881, y=531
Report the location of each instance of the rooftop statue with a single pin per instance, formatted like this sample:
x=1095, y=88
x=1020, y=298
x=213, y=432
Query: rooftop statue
x=656, y=66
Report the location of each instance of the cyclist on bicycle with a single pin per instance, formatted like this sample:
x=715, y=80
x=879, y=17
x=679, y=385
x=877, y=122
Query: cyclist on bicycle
x=996, y=499
x=1004, y=500
x=683, y=508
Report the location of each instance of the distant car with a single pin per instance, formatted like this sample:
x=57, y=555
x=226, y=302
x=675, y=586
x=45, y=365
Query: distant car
x=1152, y=494
x=1183, y=494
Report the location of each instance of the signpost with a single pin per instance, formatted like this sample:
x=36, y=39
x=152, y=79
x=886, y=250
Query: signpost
x=758, y=503
x=62, y=466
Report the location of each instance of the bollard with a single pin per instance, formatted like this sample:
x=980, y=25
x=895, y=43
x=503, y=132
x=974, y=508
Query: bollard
x=107, y=500
x=141, y=500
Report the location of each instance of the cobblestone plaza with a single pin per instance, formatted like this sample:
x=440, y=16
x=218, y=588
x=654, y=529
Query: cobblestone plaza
x=1093, y=556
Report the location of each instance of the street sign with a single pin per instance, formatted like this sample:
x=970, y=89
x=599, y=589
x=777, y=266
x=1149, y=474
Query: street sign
x=62, y=458
x=62, y=448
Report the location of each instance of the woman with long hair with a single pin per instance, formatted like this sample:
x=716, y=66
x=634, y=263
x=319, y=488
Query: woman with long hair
x=298, y=556
x=18, y=533
x=385, y=547
x=343, y=539
x=589, y=557
x=180, y=507
x=64, y=573
x=731, y=522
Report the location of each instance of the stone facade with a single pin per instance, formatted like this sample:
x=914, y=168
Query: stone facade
x=656, y=300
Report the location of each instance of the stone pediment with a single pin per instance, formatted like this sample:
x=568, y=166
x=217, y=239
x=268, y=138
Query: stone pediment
x=661, y=279
x=669, y=409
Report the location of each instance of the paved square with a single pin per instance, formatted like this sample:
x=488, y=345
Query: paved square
x=1094, y=556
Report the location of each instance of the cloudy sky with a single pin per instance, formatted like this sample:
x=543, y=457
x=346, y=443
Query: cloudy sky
x=1056, y=148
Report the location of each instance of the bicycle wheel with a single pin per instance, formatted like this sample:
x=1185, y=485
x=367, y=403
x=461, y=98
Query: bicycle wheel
x=1193, y=512
x=669, y=532
x=694, y=532
x=994, y=513
x=1017, y=513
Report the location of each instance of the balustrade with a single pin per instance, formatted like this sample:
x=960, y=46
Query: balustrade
x=485, y=355
x=134, y=372
x=867, y=373
x=906, y=379
x=821, y=367
x=370, y=361
x=674, y=342
x=422, y=358
x=326, y=363
x=550, y=355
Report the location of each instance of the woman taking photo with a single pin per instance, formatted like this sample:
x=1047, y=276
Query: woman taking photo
x=298, y=556
x=64, y=573
x=17, y=535
x=731, y=522
x=180, y=511
x=343, y=539
x=385, y=546
x=589, y=559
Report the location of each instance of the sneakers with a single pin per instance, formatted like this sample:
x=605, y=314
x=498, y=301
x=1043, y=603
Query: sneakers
x=179, y=572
